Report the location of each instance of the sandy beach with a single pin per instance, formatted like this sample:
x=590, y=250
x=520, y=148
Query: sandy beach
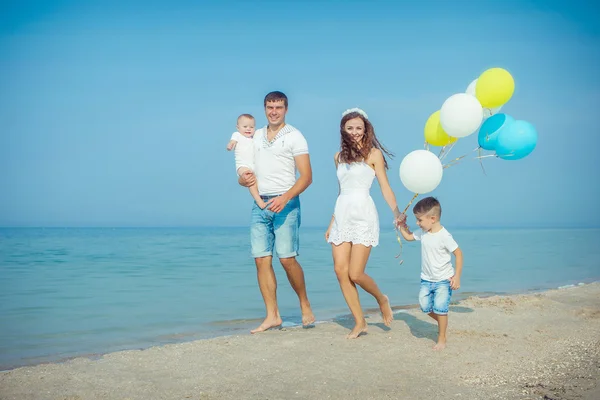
x=536, y=346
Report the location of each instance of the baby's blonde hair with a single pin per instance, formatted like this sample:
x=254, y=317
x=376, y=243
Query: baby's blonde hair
x=245, y=116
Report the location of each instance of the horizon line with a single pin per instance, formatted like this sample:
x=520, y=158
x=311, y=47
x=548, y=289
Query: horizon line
x=247, y=227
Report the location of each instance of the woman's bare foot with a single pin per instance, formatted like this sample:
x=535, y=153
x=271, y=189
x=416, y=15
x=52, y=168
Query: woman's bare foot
x=386, y=311
x=440, y=345
x=267, y=324
x=358, y=330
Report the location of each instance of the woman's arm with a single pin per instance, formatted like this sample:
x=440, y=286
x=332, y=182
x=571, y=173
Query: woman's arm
x=377, y=162
x=335, y=160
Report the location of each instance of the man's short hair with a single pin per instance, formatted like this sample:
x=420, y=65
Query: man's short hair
x=276, y=96
x=428, y=205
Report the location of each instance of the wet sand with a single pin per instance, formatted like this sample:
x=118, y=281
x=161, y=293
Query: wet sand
x=537, y=346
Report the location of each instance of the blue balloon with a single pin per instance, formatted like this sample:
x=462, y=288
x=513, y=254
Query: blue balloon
x=491, y=128
x=516, y=141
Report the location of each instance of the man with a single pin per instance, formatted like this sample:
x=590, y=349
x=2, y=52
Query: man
x=279, y=151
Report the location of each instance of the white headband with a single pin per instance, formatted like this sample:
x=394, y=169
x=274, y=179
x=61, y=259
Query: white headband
x=355, y=109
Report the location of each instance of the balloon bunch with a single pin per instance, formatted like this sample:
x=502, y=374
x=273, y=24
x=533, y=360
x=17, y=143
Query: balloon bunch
x=461, y=115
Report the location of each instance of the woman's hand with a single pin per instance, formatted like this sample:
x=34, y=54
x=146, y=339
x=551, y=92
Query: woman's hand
x=400, y=220
x=327, y=233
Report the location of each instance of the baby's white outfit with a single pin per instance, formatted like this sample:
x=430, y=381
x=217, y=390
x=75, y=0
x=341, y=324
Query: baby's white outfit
x=244, y=151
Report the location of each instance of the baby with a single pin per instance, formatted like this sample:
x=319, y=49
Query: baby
x=241, y=141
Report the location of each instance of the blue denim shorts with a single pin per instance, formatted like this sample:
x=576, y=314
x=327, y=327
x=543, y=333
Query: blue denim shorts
x=279, y=232
x=435, y=296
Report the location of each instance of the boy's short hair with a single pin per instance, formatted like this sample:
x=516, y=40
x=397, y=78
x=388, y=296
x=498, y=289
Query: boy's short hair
x=245, y=116
x=276, y=96
x=428, y=205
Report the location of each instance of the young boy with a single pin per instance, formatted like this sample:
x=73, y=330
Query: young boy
x=438, y=278
x=241, y=141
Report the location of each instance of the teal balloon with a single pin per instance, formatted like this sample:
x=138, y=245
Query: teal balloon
x=516, y=141
x=491, y=128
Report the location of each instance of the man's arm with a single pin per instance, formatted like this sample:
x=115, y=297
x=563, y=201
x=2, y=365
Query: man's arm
x=247, y=179
x=303, y=165
x=305, y=179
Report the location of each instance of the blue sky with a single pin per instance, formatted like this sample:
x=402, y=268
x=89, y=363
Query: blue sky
x=118, y=113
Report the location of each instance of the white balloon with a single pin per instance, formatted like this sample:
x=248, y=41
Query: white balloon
x=461, y=115
x=487, y=112
x=421, y=171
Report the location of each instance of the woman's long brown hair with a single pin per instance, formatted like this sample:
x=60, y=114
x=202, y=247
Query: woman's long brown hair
x=351, y=151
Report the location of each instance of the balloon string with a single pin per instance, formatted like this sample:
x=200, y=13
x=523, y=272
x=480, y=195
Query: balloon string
x=489, y=155
x=457, y=159
x=410, y=202
x=396, y=228
x=400, y=242
x=480, y=162
x=442, y=156
x=441, y=152
x=453, y=162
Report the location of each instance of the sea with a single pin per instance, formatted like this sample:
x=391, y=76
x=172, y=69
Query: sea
x=70, y=292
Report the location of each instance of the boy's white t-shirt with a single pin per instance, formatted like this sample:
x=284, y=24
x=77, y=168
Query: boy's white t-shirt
x=274, y=161
x=436, y=254
x=244, y=151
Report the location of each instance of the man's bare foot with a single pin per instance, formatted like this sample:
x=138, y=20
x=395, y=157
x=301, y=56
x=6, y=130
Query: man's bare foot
x=358, y=330
x=386, y=311
x=267, y=324
x=440, y=345
x=308, y=317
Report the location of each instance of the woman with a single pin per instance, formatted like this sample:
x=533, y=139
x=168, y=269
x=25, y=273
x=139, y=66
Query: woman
x=354, y=227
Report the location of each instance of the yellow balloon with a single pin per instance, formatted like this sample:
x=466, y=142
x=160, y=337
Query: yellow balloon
x=434, y=133
x=494, y=87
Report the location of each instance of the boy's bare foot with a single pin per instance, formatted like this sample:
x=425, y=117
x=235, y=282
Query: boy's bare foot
x=386, y=311
x=358, y=330
x=267, y=324
x=440, y=345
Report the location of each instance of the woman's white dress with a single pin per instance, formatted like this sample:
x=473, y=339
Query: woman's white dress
x=355, y=215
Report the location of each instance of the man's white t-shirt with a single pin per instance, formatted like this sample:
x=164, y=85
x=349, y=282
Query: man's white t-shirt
x=275, y=164
x=244, y=151
x=436, y=254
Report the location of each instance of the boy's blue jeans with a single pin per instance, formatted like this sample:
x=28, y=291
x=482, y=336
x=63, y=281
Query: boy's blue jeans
x=435, y=296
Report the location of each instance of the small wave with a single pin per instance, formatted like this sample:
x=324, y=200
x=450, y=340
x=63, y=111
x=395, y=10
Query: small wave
x=571, y=285
x=566, y=286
